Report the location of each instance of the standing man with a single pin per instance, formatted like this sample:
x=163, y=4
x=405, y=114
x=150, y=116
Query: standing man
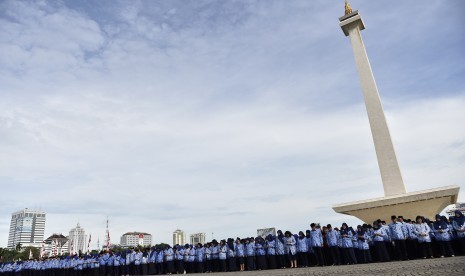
x=398, y=236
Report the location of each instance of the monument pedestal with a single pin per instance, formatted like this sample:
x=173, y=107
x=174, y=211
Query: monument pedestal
x=425, y=203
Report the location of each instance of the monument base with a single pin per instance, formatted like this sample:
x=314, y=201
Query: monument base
x=426, y=203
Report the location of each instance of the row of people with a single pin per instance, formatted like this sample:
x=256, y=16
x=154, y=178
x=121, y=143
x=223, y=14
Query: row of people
x=399, y=240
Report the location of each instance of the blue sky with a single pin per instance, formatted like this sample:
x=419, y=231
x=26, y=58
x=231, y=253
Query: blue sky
x=219, y=116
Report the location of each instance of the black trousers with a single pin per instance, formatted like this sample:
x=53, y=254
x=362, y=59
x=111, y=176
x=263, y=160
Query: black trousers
x=302, y=259
x=445, y=249
x=319, y=255
x=335, y=255
x=381, y=252
x=401, y=249
x=425, y=249
x=250, y=263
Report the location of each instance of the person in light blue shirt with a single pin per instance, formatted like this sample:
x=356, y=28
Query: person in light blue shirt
x=363, y=248
x=459, y=226
x=208, y=258
x=260, y=253
x=215, y=255
x=191, y=260
x=280, y=251
x=379, y=237
x=332, y=237
x=160, y=260
x=169, y=259
x=232, y=261
x=250, y=253
x=271, y=251
x=290, y=248
x=179, y=259
x=317, y=243
x=240, y=253
x=422, y=230
x=302, y=250
x=200, y=258
x=398, y=236
x=442, y=233
x=222, y=255
x=152, y=256
x=347, y=246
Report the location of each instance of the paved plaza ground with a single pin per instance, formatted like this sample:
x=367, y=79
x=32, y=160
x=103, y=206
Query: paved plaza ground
x=440, y=266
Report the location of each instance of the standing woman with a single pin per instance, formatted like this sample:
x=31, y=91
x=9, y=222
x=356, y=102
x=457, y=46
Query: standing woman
x=280, y=245
x=222, y=255
x=271, y=251
x=332, y=237
x=215, y=251
x=179, y=259
x=187, y=248
x=443, y=236
x=422, y=230
x=317, y=243
x=302, y=249
x=347, y=245
x=152, y=260
x=169, y=258
x=159, y=260
x=291, y=248
x=250, y=252
x=363, y=247
x=231, y=255
x=208, y=257
x=260, y=253
x=200, y=258
x=459, y=226
x=191, y=261
x=379, y=237
x=240, y=253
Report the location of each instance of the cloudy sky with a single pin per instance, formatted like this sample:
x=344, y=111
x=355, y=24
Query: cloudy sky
x=219, y=116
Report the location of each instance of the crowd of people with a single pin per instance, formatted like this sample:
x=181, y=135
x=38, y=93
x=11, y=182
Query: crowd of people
x=397, y=240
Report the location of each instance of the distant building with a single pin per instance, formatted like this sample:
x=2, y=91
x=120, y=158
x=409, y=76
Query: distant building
x=197, y=238
x=265, y=232
x=136, y=239
x=179, y=237
x=26, y=228
x=458, y=206
x=77, y=240
x=56, y=245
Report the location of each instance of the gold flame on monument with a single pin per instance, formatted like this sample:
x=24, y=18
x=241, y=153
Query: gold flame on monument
x=348, y=8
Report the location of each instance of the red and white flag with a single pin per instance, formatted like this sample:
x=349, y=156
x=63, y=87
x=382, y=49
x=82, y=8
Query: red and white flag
x=88, y=244
x=108, y=240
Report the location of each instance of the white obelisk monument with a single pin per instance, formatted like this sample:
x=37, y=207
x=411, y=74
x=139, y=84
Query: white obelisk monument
x=396, y=197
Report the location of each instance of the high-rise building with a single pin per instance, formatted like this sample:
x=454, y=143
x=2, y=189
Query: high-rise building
x=26, y=228
x=179, y=237
x=197, y=238
x=77, y=240
x=136, y=239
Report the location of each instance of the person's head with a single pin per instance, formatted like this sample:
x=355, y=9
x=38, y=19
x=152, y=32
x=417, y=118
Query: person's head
x=301, y=234
x=400, y=218
x=344, y=226
x=288, y=234
x=458, y=214
x=312, y=226
x=394, y=218
x=419, y=219
x=329, y=227
x=279, y=232
x=438, y=217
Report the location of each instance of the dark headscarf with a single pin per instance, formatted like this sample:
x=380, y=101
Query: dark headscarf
x=301, y=235
x=280, y=236
x=307, y=233
x=440, y=223
x=346, y=230
x=460, y=219
x=360, y=230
